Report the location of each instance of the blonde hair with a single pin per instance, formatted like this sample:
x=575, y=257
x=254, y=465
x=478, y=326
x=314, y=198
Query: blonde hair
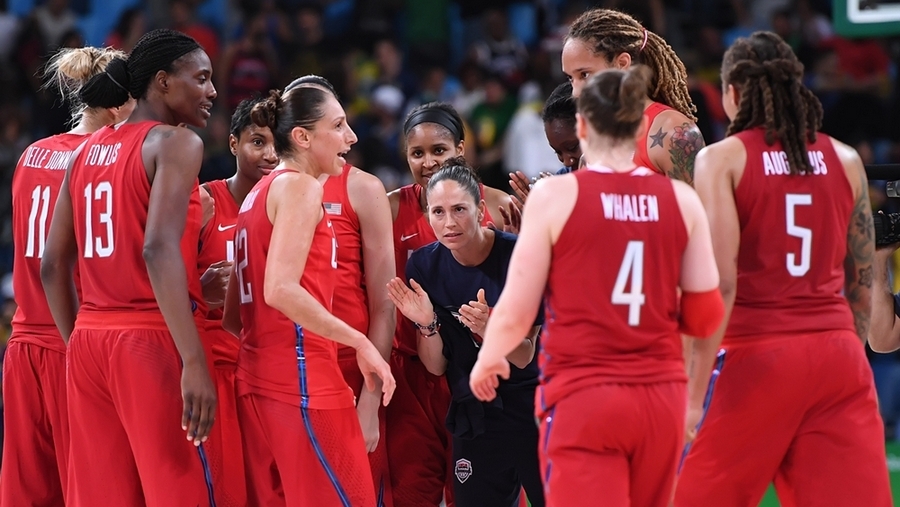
x=71, y=68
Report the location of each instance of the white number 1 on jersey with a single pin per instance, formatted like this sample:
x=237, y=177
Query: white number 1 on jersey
x=632, y=267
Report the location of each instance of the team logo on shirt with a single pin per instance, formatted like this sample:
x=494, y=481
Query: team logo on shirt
x=332, y=208
x=463, y=470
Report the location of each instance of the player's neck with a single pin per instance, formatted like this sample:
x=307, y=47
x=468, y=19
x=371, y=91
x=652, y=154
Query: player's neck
x=239, y=186
x=476, y=251
x=92, y=121
x=616, y=155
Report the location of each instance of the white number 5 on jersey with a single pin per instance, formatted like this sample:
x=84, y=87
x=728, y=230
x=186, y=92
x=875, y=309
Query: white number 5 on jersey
x=632, y=268
x=805, y=234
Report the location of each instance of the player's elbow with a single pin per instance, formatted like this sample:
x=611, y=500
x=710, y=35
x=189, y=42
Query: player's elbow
x=155, y=254
x=52, y=269
x=885, y=341
x=701, y=313
x=275, y=292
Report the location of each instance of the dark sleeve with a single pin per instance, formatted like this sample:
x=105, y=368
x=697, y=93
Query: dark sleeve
x=414, y=270
x=539, y=320
x=897, y=305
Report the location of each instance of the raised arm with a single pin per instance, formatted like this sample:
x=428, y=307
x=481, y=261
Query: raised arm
x=176, y=154
x=294, y=206
x=858, y=270
x=58, y=263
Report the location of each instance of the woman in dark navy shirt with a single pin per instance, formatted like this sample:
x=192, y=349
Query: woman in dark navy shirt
x=454, y=282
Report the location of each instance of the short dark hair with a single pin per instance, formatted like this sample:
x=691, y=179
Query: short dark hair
x=240, y=120
x=560, y=105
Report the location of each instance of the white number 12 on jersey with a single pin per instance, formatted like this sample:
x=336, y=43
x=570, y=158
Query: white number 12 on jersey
x=632, y=267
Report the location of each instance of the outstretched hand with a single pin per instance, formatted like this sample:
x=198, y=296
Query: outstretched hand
x=413, y=303
x=484, y=377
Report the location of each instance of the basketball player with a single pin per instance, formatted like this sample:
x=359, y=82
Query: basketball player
x=35, y=420
x=454, y=283
x=129, y=212
x=558, y=116
x=254, y=151
x=302, y=438
x=789, y=210
x=357, y=205
x=418, y=443
x=604, y=38
x=612, y=394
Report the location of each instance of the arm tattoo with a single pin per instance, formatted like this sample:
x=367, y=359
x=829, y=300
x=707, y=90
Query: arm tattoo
x=858, y=271
x=684, y=144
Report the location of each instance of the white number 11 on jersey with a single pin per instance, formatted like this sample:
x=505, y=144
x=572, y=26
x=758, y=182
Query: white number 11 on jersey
x=632, y=267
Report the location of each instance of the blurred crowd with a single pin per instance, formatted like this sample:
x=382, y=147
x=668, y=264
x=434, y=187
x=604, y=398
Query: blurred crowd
x=494, y=60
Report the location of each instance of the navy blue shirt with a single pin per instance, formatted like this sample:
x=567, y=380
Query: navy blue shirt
x=450, y=285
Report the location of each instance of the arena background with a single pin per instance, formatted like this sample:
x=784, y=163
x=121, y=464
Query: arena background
x=495, y=60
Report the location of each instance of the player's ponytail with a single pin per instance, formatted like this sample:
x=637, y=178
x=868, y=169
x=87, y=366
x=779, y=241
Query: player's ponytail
x=70, y=69
x=300, y=106
x=458, y=170
x=613, y=101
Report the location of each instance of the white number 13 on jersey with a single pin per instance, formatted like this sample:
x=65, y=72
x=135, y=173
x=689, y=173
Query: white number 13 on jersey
x=805, y=234
x=632, y=268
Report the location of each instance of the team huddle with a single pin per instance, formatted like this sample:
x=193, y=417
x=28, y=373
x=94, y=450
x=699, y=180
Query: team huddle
x=661, y=323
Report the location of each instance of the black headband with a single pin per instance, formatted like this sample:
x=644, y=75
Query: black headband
x=436, y=115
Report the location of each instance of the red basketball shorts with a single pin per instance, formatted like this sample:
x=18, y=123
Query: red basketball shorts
x=378, y=459
x=125, y=407
x=418, y=443
x=303, y=457
x=798, y=409
x=36, y=440
x=224, y=447
x=613, y=445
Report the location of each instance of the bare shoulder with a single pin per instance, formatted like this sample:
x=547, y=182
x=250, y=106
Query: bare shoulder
x=846, y=153
x=552, y=191
x=493, y=194
x=169, y=138
x=723, y=157
x=394, y=200
x=362, y=181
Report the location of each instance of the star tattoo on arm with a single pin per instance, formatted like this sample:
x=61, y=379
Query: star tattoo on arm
x=658, y=138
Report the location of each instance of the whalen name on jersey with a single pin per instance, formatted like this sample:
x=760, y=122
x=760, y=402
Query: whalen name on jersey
x=42, y=158
x=630, y=208
x=776, y=163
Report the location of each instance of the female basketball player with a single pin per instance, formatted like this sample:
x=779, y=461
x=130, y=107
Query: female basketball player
x=559, y=126
x=610, y=245
x=418, y=443
x=360, y=214
x=254, y=151
x=455, y=282
x=35, y=420
x=789, y=210
x=604, y=38
x=129, y=212
x=302, y=439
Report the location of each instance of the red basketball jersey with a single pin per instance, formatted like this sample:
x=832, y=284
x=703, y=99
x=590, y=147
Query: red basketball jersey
x=411, y=232
x=110, y=195
x=641, y=153
x=279, y=358
x=217, y=238
x=793, y=242
x=611, y=299
x=35, y=188
x=351, y=302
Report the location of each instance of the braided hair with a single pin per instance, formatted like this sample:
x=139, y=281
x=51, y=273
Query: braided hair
x=769, y=78
x=560, y=106
x=609, y=33
x=156, y=51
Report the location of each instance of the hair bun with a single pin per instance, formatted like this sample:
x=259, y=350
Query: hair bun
x=633, y=93
x=109, y=88
x=265, y=113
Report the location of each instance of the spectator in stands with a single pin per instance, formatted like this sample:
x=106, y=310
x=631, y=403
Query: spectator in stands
x=183, y=18
x=500, y=52
x=249, y=65
x=131, y=26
